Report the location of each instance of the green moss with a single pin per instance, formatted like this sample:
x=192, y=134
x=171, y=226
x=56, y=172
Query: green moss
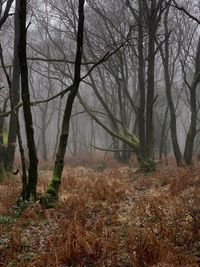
x=7, y=220
x=53, y=187
x=51, y=190
x=148, y=165
x=130, y=139
x=5, y=137
x=50, y=197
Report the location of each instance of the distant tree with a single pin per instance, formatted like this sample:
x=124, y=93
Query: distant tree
x=145, y=23
x=165, y=56
x=193, y=100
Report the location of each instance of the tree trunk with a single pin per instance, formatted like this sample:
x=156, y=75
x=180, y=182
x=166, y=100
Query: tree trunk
x=33, y=161
x=125, y=155
x=51, y=194
x=141, y=78
x=2, y=166
x=58, y=127
x=189, y=144
x=116, y=147
x=164, y=133
x=150, y=84
x=43, y=133
x=14, y=95
x=173, y=126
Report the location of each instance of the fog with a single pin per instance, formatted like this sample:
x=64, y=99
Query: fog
x=109, y=96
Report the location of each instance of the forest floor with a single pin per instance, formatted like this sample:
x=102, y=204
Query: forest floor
x=105, y=217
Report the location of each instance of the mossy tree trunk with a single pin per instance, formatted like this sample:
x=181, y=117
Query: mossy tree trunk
x=51, y=194
x=32, y=154
x=14, y=120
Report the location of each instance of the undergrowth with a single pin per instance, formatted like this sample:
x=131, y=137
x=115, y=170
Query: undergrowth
x=110, y=218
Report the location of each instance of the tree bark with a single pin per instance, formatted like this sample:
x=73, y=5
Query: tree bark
x=152, y=20
x=33, y=161
x=189, y=144
x=141, y=79
x=43, y=134
x=14, y=95
x=164, y=134
x=2, y=166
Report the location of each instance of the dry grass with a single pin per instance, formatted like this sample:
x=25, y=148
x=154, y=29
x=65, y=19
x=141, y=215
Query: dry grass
x=112, y=218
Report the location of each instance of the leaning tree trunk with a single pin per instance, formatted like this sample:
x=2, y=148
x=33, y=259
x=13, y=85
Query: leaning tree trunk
x=51, y=194
x=33, y=161
x=189, y=144
x=14, y=95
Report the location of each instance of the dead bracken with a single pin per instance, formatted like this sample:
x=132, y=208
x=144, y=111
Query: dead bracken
x=105, y=219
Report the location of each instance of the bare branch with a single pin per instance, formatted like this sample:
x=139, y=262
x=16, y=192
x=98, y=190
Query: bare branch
x=57, y=60
x=112, y=150
x=181, y=8
x=105, y=58
x=62, y=93
x=6, y=13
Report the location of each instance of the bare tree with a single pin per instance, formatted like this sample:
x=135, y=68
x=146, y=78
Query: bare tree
x=51, y=193
x=165, y=54
x=31, y=184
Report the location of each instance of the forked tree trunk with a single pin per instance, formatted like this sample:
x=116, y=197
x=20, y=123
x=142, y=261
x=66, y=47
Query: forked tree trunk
x=173, y=124
x=51, y=194
x=33, y=161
